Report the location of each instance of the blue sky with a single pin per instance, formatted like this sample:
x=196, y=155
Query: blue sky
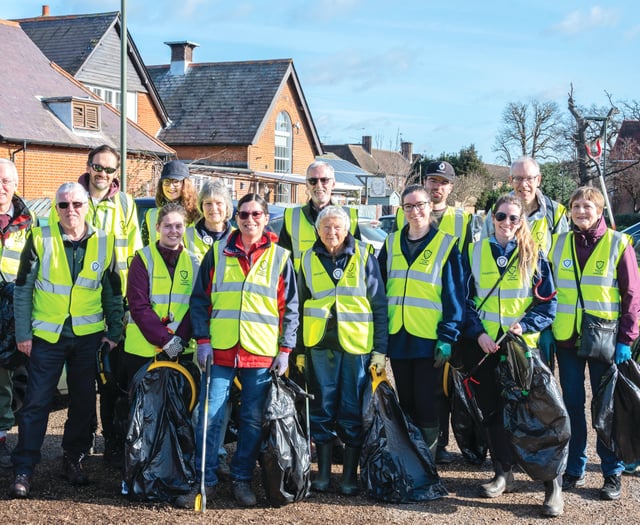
x=438, y=74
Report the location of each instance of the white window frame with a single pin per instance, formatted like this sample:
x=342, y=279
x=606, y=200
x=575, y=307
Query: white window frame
x=283, y=151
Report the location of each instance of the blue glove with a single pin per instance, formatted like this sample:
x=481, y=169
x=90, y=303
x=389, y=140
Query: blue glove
x=280, y=363
x=623, y=353
x=204, y=351
x=547, y=345
x=441, y=354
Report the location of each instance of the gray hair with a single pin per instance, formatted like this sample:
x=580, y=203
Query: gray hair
x=321, y=164
x=525, y=159
x=214, y=188
x=73, y=187
x=334, y=211
x=11, y=166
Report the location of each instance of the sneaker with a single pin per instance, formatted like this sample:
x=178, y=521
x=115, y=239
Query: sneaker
x=612, y=488
x=630, y=468
x=21, y=486
x=569, y=481
x=243, y=493
x=443, y=456
x=72, y=469
x=5, y=454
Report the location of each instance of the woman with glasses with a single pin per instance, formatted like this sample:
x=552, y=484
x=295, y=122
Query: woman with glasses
x=422, y=270
x=244, y=311
x=173, y=186
x=503, y=271
x=599, y=272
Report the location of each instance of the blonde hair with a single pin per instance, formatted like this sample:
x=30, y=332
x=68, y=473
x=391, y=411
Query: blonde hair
x=527, y=247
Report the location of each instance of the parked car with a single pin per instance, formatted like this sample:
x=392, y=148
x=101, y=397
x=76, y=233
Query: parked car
x=634, y=231
x=372, y=234
x=387, y=223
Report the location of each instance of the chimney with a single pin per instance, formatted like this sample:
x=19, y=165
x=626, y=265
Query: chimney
x=45, y=10
x=366, y=143
x=181, y=56
x=406, y=149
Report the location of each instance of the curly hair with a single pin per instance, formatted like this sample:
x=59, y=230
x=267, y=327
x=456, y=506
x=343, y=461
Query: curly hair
x=188, y=199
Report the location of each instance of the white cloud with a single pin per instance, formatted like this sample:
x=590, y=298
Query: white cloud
x=580, y=21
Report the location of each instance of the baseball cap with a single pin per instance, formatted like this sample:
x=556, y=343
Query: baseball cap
x=442, y=169
x=175, y=170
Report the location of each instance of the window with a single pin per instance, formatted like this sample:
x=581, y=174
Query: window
x=86, y=115
x=283, y=143
x=114, y=97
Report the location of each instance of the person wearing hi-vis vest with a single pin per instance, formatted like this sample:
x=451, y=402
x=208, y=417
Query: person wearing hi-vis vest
x=67, y=302
x=244, y=312
x=299, y=229
x=343, y=311
x=502, y=273
x=545, y=217
x=174, y=185
x=596, y=272
x=422, y=270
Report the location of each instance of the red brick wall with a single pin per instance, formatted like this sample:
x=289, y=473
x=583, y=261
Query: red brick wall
x=147, y=116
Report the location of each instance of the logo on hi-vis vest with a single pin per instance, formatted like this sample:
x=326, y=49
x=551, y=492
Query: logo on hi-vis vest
x=351, y=270
x=599, y=267
x=512, y=274
x=426, y=255
x=567, y=263
x=123, y=228
x=262, y=269
x=95, y=266
x=184, y=276
x=539, y=236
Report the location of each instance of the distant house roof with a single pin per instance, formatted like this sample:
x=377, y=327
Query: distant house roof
x=627, y=145
x=378, y=162
x=225, y=103
x=345, y=171
x=497, y=172
x=28, y=79
x=71, y=41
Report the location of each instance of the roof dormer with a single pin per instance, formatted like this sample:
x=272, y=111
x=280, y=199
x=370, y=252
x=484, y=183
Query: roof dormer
x=77, y=113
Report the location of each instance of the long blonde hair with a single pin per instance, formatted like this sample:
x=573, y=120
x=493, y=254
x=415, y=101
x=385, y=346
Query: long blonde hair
x=527, y=247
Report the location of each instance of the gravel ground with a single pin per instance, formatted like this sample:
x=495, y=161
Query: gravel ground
x=54, y=501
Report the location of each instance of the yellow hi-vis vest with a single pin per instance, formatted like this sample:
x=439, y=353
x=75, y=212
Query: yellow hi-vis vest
x=303, y=233
x=57, y=297
x=508, y=300
x=10, y=252
x=244, y=309
x=414, y=292
x=598, y=281
x=353, y=310
x=455, y=221
x=196, y=243
x=118, y=217
x=169, y=297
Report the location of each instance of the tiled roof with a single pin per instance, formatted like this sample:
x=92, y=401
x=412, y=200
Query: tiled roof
x=220, y=103
x=68, y=40
x=345, y=171
x=27, y=77
x=379, y=162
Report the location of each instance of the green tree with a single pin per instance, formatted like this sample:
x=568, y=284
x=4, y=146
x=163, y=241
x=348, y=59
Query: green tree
x=557, y=181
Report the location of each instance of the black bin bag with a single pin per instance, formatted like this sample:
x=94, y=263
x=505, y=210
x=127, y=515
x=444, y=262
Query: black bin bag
x=395, y=465
x=10, y=357
x=285, y=458
x=535, y=416
x=616, y=410
x=466, y=418
x=160, y=444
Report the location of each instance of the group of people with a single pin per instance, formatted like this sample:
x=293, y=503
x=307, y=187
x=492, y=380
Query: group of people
x=252, y=303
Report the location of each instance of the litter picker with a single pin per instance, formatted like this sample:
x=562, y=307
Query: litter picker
x=201, y=498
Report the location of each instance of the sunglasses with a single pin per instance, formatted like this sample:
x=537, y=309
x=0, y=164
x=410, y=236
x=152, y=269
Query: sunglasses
x=246, y=214
x=501, y=216
x=75, y=204
x=100, y=169
x=314, y=180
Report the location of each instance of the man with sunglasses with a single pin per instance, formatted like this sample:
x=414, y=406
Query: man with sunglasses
x=112, y=211
x=15, y=222
x=68, y=301
x=545, y=217
x=298, y=231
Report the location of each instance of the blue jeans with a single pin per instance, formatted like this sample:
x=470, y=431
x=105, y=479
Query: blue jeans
x=45, y=367
x=571, y=369
x=255, y=384
x=337, y=380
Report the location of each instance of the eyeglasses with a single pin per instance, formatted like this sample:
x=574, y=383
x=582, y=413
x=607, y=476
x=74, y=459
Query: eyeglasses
x=418, y=206
x=99, y=168
x=75, y=204
x=246, y=214
x=520, y=180
x=7, y=182
x=314, y=180
x=501, y=216
x=171, y=182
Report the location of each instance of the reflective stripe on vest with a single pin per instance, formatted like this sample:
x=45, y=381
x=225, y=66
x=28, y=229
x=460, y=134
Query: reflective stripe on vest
x=244, y=309
x=169, y=297
x=151, y=219
x=303, y=234
x=56, y=297
x=508, y=300
x=598, y=281
x=454, y=221
x=353, y=312
x=10, y=254
x=415, y=293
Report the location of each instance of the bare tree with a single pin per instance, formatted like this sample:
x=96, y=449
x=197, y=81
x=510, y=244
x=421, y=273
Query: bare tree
x=532, y=128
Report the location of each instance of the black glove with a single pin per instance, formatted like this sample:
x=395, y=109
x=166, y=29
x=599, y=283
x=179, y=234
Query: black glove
x=103, y=361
